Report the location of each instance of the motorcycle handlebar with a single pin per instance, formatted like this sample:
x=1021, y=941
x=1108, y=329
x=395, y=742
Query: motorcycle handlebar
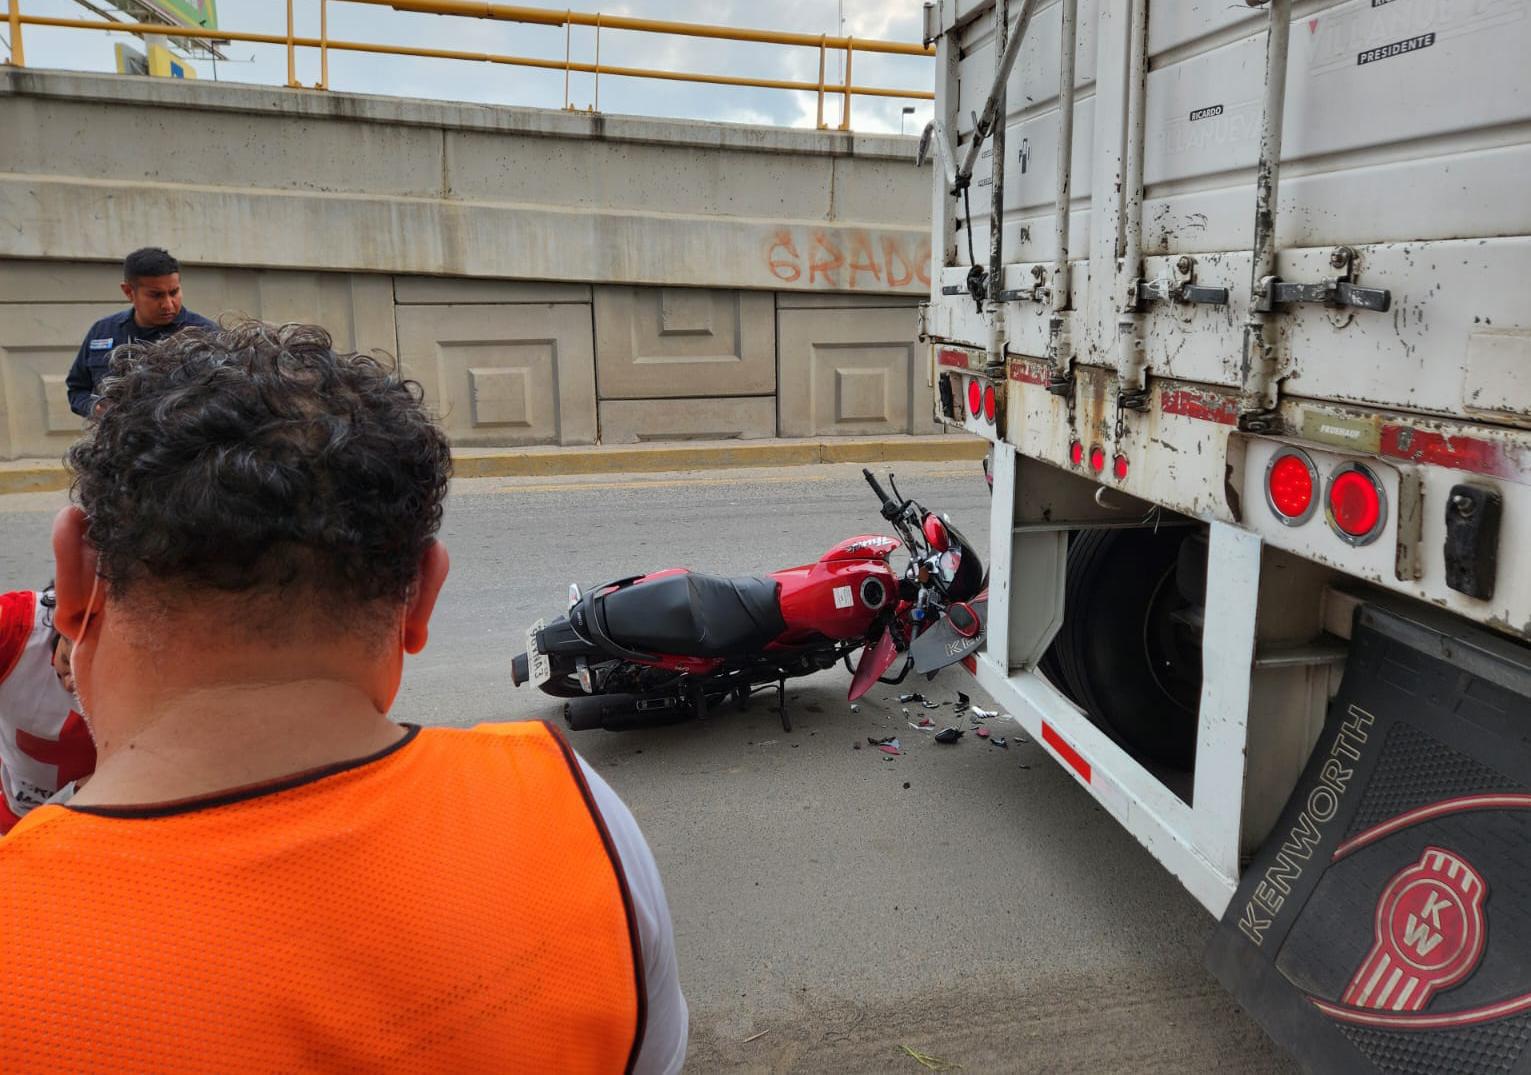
x=889, y=508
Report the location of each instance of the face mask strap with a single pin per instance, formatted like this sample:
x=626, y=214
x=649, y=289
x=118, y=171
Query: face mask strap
x=89, y=606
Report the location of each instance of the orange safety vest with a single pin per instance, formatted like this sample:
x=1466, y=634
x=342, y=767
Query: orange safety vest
x=453, y=903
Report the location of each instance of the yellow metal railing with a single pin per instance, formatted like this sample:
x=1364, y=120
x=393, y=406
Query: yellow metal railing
x=292, y=42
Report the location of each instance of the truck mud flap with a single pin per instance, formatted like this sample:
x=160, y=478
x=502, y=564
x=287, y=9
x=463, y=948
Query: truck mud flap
x=1386, y=924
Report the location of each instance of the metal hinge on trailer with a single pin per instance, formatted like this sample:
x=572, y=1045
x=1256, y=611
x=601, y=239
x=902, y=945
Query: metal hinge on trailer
x=1338, y=291
x=1183, y=289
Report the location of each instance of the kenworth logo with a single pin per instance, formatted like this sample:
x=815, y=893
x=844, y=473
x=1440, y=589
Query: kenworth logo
x=1429, y=934
x=1297, y=849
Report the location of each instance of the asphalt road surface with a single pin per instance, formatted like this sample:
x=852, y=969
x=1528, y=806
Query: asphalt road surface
x=831, y=904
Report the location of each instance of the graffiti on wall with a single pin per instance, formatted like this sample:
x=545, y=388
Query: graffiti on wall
x=849, y=259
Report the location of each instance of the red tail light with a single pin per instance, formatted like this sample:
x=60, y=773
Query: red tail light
x=1119, y=468
x=1097, y=459
x=1076, y=453
x=1356, y=506
x=988, y=403
x=975, y=398
x=1291, y=486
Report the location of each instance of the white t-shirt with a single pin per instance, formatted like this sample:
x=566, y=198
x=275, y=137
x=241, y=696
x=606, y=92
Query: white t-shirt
x=664, y=1038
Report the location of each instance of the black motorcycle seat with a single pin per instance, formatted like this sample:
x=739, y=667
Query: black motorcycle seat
x=695, y=615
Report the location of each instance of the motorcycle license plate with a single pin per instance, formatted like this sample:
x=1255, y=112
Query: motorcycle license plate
x=539, y=669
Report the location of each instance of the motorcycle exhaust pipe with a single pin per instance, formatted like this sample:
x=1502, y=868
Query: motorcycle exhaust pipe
x=622, y=712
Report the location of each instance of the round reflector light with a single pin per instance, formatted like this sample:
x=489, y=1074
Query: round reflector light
x=1097, y=459
x=1291, y=487
x=1119, y=468
x=1356, y=509
x=988, y=403
x=975, y=398
x=1076, y=453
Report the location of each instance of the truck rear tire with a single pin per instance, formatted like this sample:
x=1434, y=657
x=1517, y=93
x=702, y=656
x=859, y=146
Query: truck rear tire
x=1129, y=651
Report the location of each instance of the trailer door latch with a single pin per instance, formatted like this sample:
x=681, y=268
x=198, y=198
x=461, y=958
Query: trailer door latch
x=1182, y=288
x=1339, y=291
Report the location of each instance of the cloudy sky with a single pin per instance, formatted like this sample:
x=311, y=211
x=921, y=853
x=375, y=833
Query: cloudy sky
x=897, y=20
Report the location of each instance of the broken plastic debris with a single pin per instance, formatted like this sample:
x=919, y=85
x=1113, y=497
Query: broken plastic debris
x=948, y=735
x=855, y=708
x=926, y=722
x=999, y=741
x=983, y=733
x=928, y=704
x=912, y=696
x=890, y=748
x=871, y=741
x=982, y=714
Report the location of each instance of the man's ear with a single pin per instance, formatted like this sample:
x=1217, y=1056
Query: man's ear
x=434, y=565
x=74, y=573
x=127, y=289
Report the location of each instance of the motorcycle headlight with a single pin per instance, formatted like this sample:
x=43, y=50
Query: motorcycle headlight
x=948, y=563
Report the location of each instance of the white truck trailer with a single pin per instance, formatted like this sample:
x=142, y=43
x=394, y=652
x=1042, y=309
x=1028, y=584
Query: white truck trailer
x=1240, y=292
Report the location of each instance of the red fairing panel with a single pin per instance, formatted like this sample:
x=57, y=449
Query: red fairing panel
x=863, y=547
x=875, y=660
x=836, y=599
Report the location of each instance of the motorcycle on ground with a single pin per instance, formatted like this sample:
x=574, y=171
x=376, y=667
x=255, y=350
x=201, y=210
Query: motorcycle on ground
x=675, y=644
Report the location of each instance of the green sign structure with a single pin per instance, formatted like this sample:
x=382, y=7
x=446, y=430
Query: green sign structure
x=202, y=13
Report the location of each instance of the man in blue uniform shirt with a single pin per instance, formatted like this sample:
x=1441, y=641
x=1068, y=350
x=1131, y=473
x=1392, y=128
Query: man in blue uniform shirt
x=151, y=279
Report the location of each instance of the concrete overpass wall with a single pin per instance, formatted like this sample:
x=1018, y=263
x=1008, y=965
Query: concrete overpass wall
x=550, y=277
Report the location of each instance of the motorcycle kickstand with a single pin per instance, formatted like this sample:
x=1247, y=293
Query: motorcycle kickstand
x=700, y=703
x=781, y=702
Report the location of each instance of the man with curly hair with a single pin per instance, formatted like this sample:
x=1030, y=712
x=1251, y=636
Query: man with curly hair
x=266, y=873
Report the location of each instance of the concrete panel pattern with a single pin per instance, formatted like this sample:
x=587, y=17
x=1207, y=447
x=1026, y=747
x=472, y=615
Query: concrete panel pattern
x=52, y=136
x=210, y=225
x=413, y=290
x=600, y=174
x=504, y=375
x=357, y=309
x=878, y=190
x=61, y=281
x=342, y=183
x=850, y=372
x=662, y=342
x=807, y=300
x=635, y=420
x=38, y=342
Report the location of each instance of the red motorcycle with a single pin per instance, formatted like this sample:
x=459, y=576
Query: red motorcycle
x=674, y=644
